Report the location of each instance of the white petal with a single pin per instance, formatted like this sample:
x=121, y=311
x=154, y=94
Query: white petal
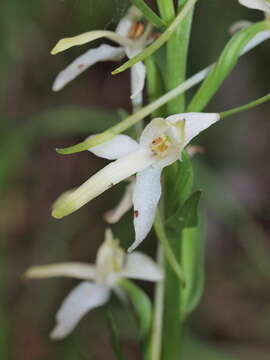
x=103, y=180
x=239, y=25
x=138, y=74
x=194, y=123
x=157, y=127
x=146, y=196
x=72, y=269
x=87, y=37
x=141, y=266
x=82, y=298
x=263, y=5
x=117, y=147
x=114, y=215
x=83, y=62
x=133, y=14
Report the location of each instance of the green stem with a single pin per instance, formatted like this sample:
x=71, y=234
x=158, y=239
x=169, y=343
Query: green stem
x=250, y=105
x=172, y=314
x=177, y=54
x=149, y=14
x=170, y=256
x=157, y=325
x=176, y=62
x=166, y=9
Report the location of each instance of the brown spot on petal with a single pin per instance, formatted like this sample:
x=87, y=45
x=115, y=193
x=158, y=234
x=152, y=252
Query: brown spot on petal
x=136, y=213
x=81, y=66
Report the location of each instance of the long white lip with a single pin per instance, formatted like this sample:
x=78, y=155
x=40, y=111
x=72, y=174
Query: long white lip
x=109, y=176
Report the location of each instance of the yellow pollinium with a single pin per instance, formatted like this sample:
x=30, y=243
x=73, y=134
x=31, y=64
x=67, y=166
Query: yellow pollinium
x=136, y=31
x=160, y=145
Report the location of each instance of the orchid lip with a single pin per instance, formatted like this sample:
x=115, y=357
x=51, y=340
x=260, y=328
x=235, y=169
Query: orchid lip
x=103, y=180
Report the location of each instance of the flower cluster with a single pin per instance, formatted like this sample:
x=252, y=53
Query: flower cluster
x=141, y=162
x=160, y=144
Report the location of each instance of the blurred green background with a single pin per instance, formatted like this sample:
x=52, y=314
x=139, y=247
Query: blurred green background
x=233, y=320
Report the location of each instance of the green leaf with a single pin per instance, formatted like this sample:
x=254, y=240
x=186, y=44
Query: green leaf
x=141, y=304
x=160, y=41
x=225, y=65
x=179, y=181
x=192, y=255
x=115, y=338
x=149, y=14
x=186, y=216
x=184, y=182
x=189, y=210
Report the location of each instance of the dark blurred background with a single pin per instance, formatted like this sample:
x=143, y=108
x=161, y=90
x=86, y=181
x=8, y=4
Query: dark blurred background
x=233, y=320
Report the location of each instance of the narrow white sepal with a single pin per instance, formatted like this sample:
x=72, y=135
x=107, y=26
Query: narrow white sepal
x=117, y=147
x=71, y=269
x=195, y=123
x=125, y=204
x=87, y=37
x=146, y=195
x=263, y=5
x=142, y=267
x=138, y=75
x=83, y=298
x=102, y=53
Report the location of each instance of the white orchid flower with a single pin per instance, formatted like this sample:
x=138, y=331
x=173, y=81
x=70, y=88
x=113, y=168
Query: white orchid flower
x=160, y=145
x=111, y=265
x=132, y=37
